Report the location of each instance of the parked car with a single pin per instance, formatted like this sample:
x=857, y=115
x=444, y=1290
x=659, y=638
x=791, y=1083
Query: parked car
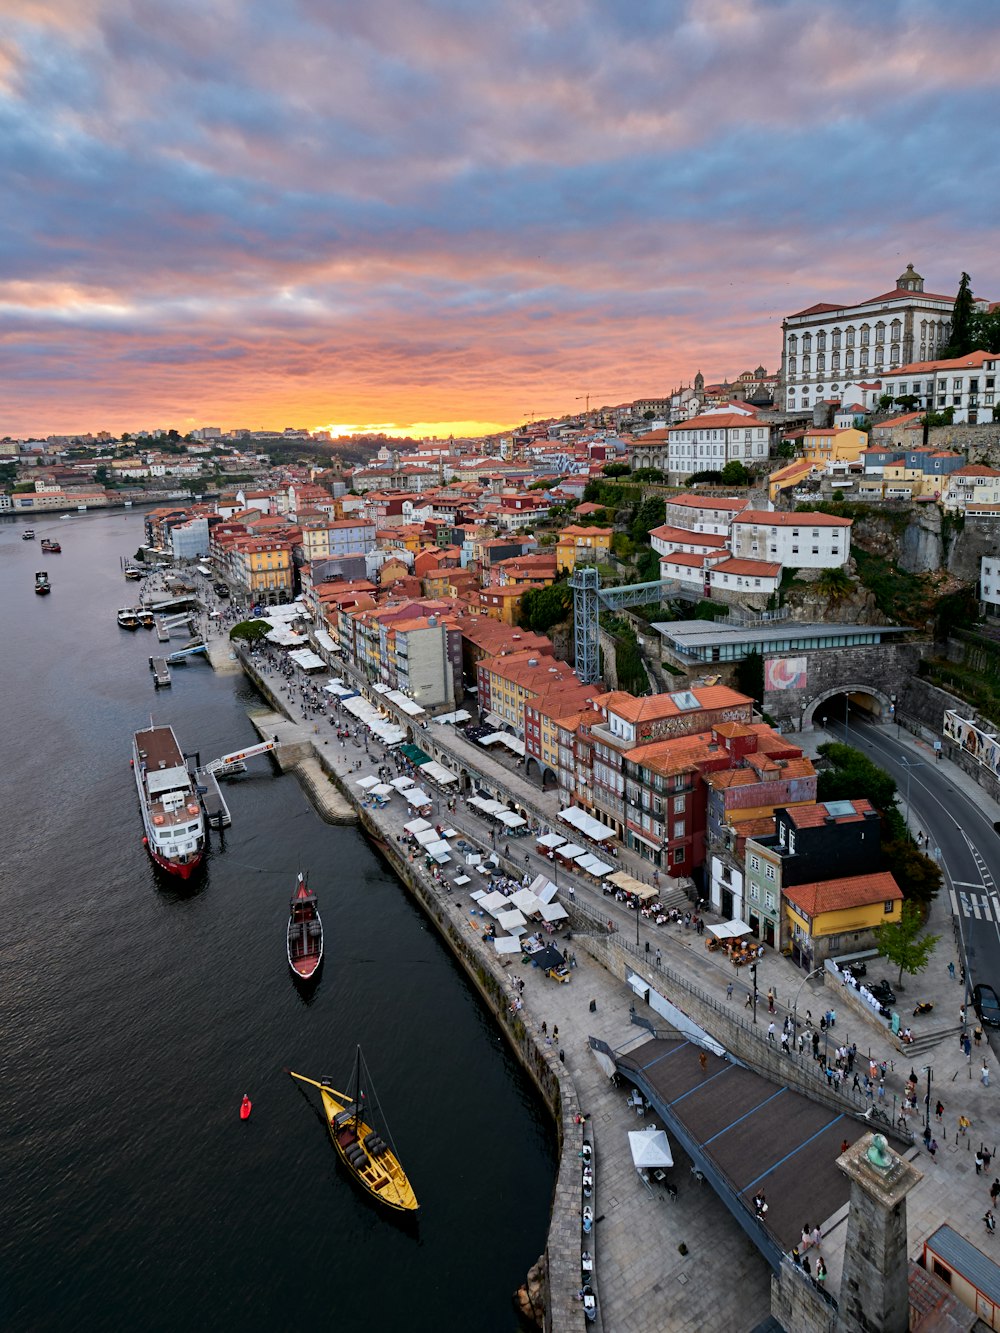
x=987, y=1006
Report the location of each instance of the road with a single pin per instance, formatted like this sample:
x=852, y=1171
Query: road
x=961, y=838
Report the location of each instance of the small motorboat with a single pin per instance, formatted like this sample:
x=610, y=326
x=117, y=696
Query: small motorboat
x=51, y=547
x=127, y=618
x=42, y=585
x=304, y=942
x=28, y=535
x=246, y=1106
x=146, y=618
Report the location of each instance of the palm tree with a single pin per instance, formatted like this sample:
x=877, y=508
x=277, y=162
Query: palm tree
x=835, y=585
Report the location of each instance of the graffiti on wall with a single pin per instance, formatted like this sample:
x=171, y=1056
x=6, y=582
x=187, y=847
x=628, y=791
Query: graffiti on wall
x=978, y=744
x=785, y=673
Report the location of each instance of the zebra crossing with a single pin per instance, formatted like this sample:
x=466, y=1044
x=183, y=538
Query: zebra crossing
x=977, y=902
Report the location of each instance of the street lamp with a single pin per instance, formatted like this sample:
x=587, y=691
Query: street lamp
x=753, y=973
x=927, y=1115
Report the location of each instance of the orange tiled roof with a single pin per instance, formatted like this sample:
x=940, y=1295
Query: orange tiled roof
x=811, y=519
x=839, y=895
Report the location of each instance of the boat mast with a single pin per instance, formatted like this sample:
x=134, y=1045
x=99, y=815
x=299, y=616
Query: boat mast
x=357, y=1092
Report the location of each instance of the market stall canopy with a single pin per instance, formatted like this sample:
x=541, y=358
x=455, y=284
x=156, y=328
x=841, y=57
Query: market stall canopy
x=525, y=900
x=569, y=852
x=502, y=738
x=554, y=912
x=367, y=782
x=511, y=820
x=439, y=850
x=510, y=919
x=415, y=796
x=478, y=896
x=453, y=719
x=404, y=704
x=507, y=944
x=438, y=773
x=551, y=840
x=586, y=824
x=416, y=826
x=495, y=902
x=402, y=783
x=728, y=930
x=487, y=806
x=593, y=866
x=338, y=688
x=383, y=789
x=621, y=880
x=306, y=660
x=650, y=1149
x=543, y=889
x=426, y=836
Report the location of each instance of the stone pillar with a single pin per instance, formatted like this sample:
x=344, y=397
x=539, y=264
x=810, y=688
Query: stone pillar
x=874, y=1292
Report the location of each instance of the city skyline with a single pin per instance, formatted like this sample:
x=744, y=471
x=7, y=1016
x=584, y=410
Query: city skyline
x=449, y=217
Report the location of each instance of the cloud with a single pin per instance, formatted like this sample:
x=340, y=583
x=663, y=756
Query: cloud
x=450, y=210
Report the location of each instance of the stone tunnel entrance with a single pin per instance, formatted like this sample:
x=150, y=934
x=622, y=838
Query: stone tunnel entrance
x=849, y=703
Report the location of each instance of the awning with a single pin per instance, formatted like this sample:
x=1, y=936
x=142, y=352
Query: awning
x=453, y=719
x=415, y=754
x=486, y=806
x=494, y=902
x=338, y=688
x=506, y=944
x=650, y=1149
x=622, y=880
x=416, y=826
x=511, y=820
x=569, y=851
x=383, y=789
x=509, y=919
x=653, y=846
x=550, y=840
x=554, y=912
x=727, y=930
x=604, y=1062
x=415, y=796
x=503, y=738
x=426, y=836
x=543, y=889
x=402, y=783
x=594, y=867
x=366, y=782
x=404, y=704
x=438, y=773
x=306, y=660
x=590, y=828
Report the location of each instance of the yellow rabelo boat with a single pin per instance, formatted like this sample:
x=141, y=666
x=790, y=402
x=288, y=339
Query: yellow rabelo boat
x=367, y=1156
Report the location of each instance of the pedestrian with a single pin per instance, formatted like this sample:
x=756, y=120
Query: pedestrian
x=806, y=1266
x=817, y=1238
x=939, y=1110
x=545, y=1027
x=985, y=1075
x=729, y=991
x=821, y=1273
x=844, y=1146
x=964, y=1124
x=749, y=1001
x=784, y=1043
x=659, y=955
x=703, y=1061
x=995, y=1192
x=979, y=1163
x=770, y=1001
x=951, y=971
x=977, y=1034
x=966, y=1045
x=961, y=1016
x=932, y=1148
x=555, y=1032
x=770, y=1032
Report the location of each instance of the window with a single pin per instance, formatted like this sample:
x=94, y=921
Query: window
x=679, y=828
x=678, y=855
x=679, y=803
x=754, y=893
x=769, y=900
x=888, y=908
x=755, y=863
x=769, y=872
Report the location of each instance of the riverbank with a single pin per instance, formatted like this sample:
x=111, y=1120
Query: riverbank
x=644, y=1277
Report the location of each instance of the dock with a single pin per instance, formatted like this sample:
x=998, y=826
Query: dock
x=182, y=654
x=160, y=670
x=212, y=800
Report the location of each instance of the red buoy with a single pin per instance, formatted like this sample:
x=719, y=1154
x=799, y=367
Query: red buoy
x=246, y=1106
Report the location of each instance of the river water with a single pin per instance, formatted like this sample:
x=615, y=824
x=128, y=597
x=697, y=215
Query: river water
x=134, y=1014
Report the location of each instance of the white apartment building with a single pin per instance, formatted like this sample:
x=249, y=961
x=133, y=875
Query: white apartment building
x=989, y=583
x=803, y=541
x=974, y=487
x=704, y=513
x=827, y=346
x=967, y=384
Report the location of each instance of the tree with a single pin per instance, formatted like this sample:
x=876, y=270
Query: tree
x=651, y=475
x=851, y=774
x=735, y=474
x=749, y=676
x=917, y=875
x=649, y=415
x=786, y=449
x=835, y=585
x=251, y=631
x=963, y=331
x=898, y=941
x=541, y=608
x=628, y=663
x=986, y=326
x=885, y=402
x=616, y=469
x=649, y=515
x=648, y=565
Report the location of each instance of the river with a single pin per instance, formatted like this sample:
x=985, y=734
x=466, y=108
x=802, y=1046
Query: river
x=134, y=1014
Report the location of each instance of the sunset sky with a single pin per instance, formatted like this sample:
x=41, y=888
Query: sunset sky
x=440, y=216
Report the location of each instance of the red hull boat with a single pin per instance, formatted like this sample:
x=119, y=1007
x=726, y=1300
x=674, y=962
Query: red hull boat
x=305, y=932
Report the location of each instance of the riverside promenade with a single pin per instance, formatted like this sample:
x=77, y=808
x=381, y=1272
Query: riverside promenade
x=643, y=1279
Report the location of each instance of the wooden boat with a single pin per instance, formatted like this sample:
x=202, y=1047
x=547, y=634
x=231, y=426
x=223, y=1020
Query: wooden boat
x=127, y=618
x=42, y=585
x=370, y=1160
x=51, y=547
x=305, y=932
x=146, y=618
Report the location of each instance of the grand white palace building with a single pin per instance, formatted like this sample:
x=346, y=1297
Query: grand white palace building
x=827, y=347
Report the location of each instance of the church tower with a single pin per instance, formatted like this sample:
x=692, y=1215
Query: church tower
x=910, y=281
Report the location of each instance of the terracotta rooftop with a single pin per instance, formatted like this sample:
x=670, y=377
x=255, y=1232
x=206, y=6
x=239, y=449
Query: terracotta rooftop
x=840, y=895
x=811, y=519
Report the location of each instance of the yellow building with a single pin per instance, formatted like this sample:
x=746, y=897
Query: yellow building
x=788, y=477
x=829, y=444
x=503, y=603
x=582, y=546
x=262, y=567
x=839, y=915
